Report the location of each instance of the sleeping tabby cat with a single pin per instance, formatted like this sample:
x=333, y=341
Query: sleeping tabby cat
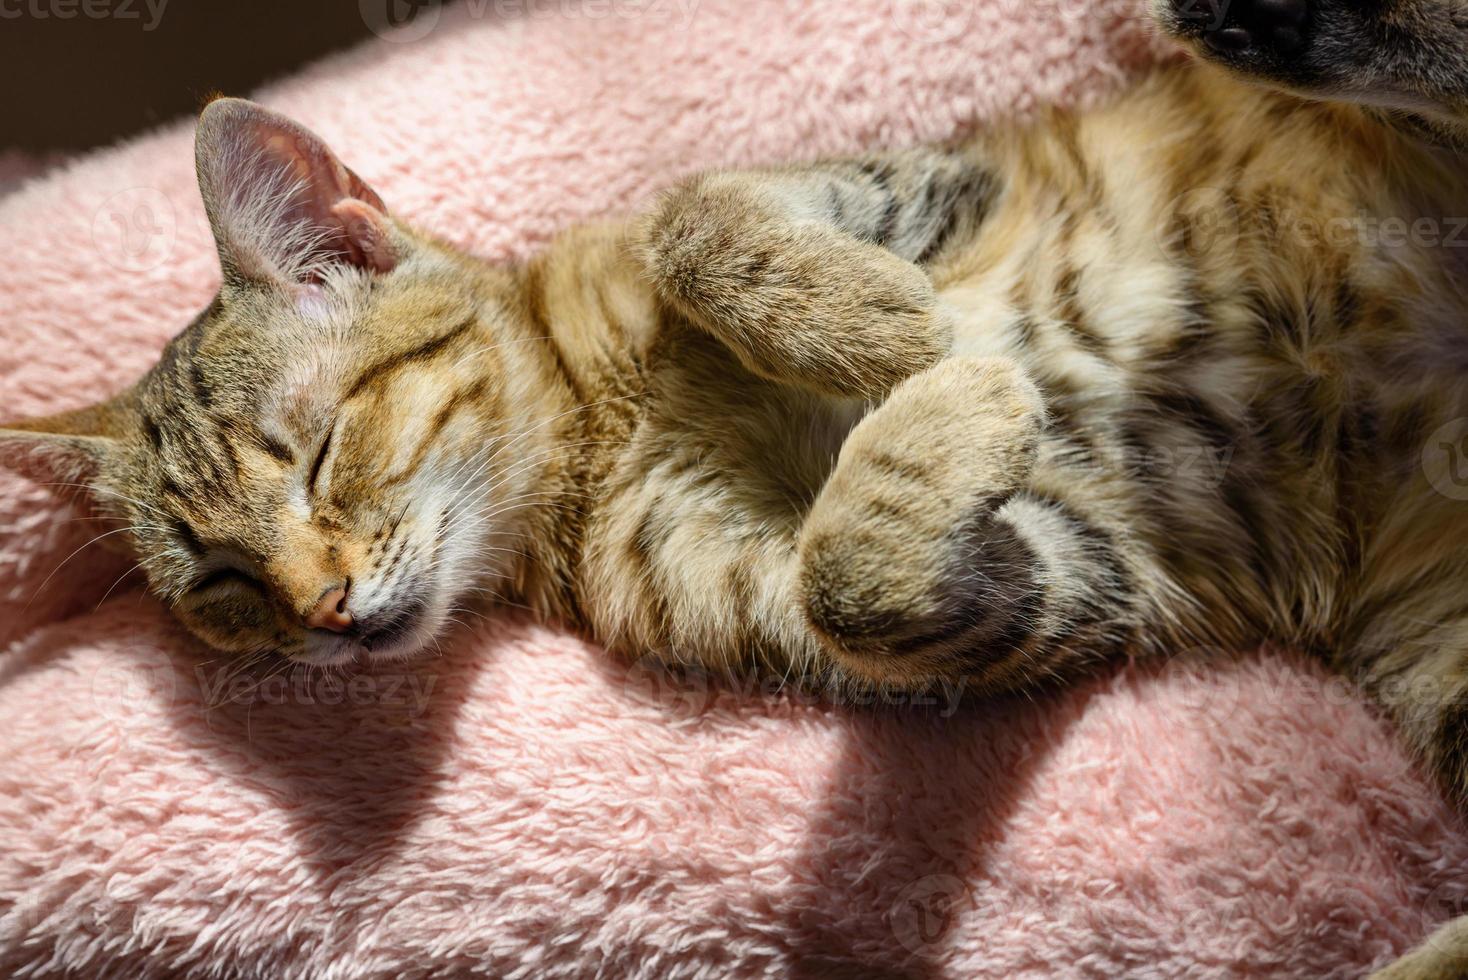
x=1188, y=369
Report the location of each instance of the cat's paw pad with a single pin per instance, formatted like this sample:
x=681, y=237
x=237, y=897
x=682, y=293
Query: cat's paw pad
x=1233, y=29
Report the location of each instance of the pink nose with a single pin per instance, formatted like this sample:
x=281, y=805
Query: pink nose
x=331, y=612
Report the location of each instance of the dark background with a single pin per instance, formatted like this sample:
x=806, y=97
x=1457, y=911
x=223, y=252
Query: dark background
x=74, y=83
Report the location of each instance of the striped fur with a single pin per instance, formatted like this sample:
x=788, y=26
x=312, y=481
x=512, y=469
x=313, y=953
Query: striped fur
x=1184, y=370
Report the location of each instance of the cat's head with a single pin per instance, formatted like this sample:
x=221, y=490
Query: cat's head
x=1408, y=58
x=329, y=458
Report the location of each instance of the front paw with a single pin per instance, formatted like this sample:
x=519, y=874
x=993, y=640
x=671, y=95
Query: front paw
x=797, y=301
x=906, y=571
x=697, y=247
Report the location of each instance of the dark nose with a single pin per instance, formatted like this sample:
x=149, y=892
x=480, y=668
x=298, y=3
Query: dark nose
x=1239, y=26
x=331, y=612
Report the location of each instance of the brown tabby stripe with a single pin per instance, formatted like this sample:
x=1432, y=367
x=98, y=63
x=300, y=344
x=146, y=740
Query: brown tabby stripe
x=381, y=370
x=471, y=394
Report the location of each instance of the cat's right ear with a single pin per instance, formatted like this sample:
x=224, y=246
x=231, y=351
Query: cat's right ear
x=282, y=206
x=67, y=451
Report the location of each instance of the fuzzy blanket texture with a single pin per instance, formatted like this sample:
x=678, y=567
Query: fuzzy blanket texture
x=521, y=806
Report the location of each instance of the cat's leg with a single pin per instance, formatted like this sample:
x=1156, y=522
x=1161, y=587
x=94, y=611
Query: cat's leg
x=690, y=556
x=942, y=545
x=930, y=554
x=813, y=275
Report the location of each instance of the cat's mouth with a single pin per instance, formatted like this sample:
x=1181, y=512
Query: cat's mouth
x=389, y=630
x=391, y=635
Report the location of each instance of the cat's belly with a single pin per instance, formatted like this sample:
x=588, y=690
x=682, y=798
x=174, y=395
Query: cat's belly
x=980, y=317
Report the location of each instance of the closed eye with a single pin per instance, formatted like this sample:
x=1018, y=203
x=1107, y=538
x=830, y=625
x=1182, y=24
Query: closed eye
x=223, y=576
x=320, y=462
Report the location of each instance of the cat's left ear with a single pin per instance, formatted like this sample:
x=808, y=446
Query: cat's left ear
x=65, y=452
x=282, y=206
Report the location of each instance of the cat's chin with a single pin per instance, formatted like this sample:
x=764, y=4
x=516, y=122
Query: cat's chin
x=347, y=651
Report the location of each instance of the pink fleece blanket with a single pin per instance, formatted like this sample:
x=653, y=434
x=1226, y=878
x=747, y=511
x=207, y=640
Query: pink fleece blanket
x=521, y=806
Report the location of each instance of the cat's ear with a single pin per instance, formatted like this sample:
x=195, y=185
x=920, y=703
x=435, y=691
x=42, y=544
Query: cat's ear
x=65, y=451
x=281, y=204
